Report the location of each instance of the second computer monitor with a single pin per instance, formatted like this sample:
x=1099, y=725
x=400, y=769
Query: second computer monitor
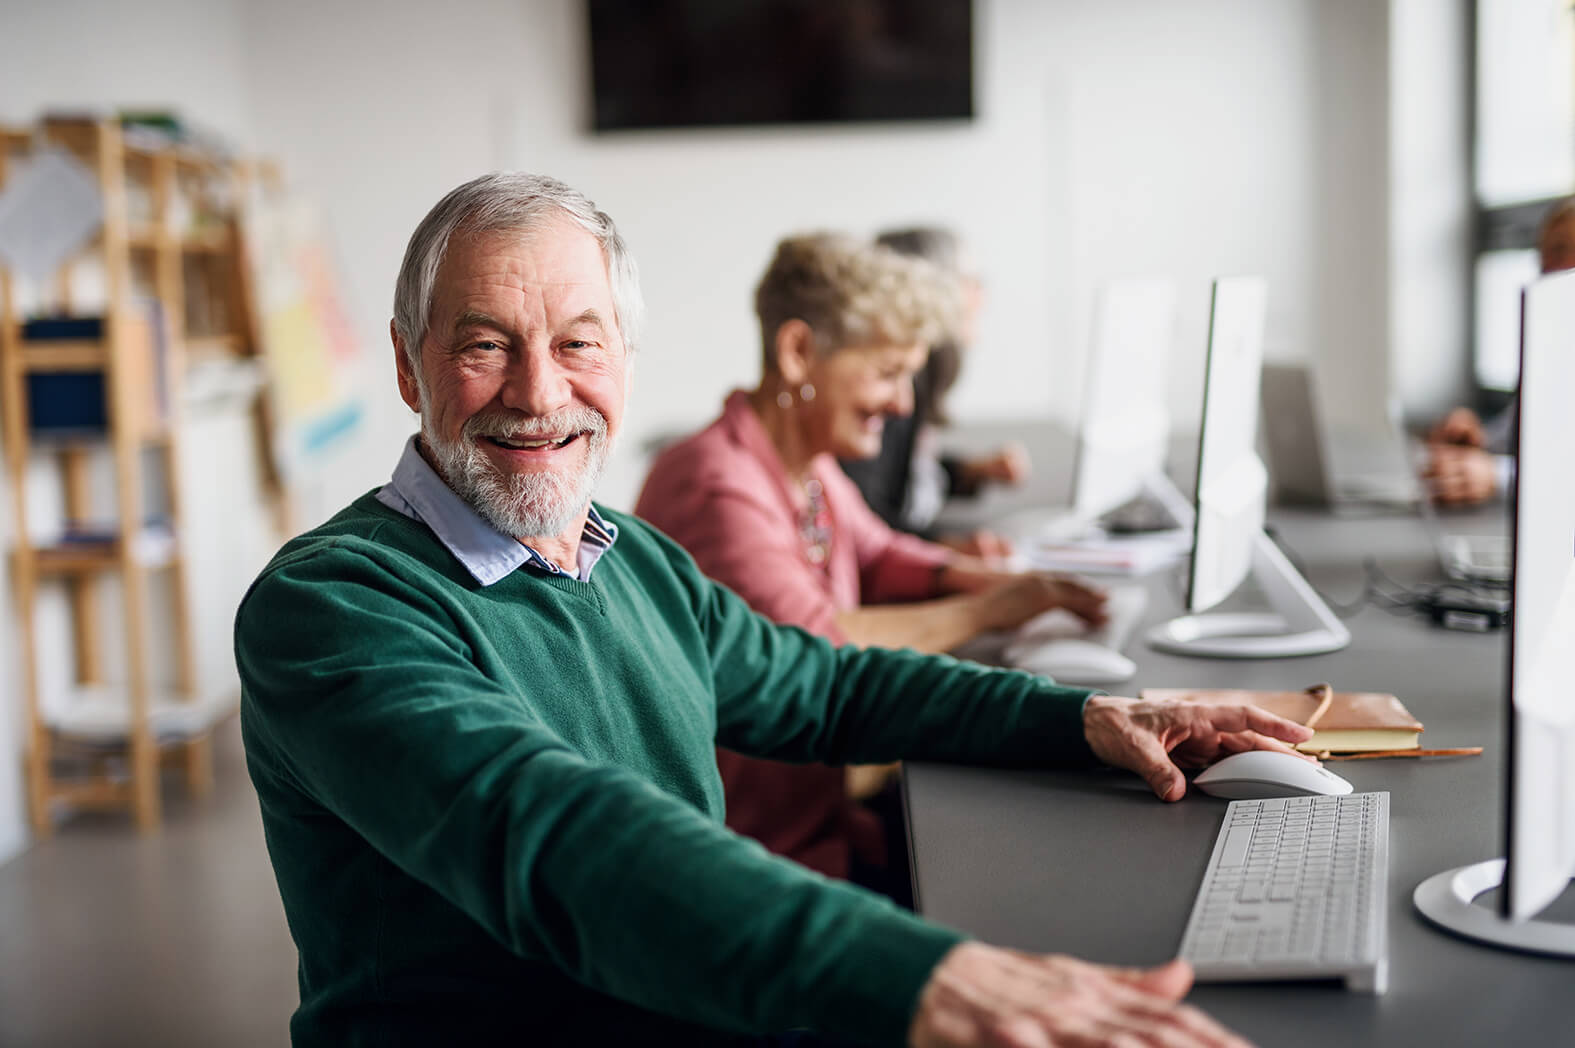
x=1539, y=801
x=1125, y=424
x=1229, y=544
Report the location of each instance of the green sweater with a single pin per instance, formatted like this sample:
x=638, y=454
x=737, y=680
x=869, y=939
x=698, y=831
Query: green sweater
x=494, y=812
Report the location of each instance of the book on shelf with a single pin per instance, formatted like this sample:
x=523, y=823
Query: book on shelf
x=1353, y=721
x=153, y=543
x=58, y=327
x=72, y=401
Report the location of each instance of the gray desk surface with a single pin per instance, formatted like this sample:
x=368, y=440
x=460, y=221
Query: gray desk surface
x=1091, y=864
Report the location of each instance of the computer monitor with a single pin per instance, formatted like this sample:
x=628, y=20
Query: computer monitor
x=1539, y=795
x=1124, y=430
x=1228, y=544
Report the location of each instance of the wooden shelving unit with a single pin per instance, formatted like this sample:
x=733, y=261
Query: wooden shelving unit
x=174, y=286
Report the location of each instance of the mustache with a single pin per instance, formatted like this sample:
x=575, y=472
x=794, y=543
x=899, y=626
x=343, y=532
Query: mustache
x=517, y=425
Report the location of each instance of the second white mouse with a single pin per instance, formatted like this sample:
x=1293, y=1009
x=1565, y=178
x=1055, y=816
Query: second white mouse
x=1067, y=660
x=1268, y=773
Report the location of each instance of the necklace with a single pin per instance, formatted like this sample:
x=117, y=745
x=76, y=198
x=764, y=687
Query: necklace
x=814, y=524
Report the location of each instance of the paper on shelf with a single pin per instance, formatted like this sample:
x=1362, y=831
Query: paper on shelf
x=48, y=213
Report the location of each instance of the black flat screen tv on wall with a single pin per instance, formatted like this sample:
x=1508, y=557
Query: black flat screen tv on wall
x=718, y=63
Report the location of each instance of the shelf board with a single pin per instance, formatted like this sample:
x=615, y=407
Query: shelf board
x=152, y=550
x=76, y=354
x=147, y=238
x=101, y=715
x=207, y=241
x=209, y=346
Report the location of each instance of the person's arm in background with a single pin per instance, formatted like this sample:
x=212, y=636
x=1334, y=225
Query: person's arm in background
x=920, y=595
x=1008, y=464
x=1467, y=461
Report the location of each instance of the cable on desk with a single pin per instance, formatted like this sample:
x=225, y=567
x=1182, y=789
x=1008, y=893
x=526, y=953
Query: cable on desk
x=1341, y=609
x=1429, y=597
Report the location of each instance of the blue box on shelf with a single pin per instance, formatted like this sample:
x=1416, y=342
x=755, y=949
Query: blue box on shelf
x=61, y=403
x=44, y=329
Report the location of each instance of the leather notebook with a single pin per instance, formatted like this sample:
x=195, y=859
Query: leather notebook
x=1353, y=722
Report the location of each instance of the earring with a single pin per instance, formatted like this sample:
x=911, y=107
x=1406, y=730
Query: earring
x=806, y=392
x=784, y=400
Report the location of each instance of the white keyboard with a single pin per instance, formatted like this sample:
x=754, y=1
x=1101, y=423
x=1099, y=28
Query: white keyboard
x=1296, y=889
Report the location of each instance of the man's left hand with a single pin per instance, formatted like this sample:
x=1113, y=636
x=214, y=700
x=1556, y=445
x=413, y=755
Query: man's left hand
x=1156, y=739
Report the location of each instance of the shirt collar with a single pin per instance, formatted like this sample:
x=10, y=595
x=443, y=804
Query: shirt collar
x=418, y=492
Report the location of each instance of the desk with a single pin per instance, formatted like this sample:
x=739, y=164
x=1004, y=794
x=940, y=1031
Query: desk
x=1091, y=864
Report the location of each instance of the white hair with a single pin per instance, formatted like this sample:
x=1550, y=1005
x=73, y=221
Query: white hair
x=499, y=202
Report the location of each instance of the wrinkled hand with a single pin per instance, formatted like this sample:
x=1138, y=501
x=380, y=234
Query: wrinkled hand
x=1461, y=426
x=1020, y=597
x=1157, y=738
x=1460, y=476
x=981, y=995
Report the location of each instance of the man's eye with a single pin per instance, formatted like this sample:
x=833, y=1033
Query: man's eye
x=486, y=345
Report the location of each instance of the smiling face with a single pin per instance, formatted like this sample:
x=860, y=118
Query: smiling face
x=856, y=387
x=523, y=374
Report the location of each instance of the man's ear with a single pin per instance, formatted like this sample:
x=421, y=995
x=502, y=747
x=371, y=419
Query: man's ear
x=795, y=351
x=409, y=389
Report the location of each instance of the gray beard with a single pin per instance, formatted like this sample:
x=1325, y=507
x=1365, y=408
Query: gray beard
x=529, y=505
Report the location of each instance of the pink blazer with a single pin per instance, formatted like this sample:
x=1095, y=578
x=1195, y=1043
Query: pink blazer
x=724, y=495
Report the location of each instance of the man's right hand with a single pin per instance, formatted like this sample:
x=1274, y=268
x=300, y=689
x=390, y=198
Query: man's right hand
x=982, y=995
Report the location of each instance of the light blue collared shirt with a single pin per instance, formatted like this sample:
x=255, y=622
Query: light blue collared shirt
x=418, y=492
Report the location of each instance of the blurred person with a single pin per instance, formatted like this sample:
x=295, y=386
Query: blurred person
x=1468, y=460
x=908, y=482
x=480, y=711
x=758, y=499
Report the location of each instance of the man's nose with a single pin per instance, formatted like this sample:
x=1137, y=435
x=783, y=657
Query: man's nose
x=535, y=384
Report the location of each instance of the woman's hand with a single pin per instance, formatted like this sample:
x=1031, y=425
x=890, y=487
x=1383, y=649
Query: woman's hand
x=1018, y=598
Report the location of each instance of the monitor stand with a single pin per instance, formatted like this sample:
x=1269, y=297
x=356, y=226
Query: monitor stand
x=1299, y=624
x=1445, y=899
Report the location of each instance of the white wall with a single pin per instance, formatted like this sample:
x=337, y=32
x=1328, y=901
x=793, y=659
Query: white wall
x=1431, y=202
x=104, y=55
x=1216, y=136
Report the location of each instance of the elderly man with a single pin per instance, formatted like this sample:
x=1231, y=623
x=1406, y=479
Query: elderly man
x=480, y=715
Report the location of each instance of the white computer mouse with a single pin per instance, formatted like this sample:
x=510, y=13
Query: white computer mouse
x=1070, y=661
x=1267, y=773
